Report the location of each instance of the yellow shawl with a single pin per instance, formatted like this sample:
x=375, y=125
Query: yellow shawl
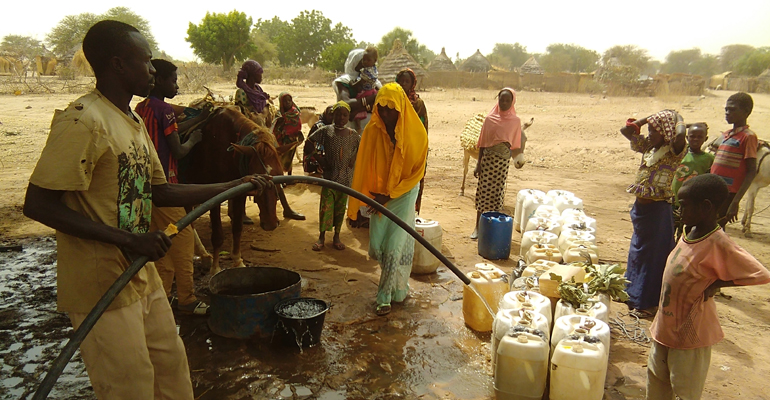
x=382, y=167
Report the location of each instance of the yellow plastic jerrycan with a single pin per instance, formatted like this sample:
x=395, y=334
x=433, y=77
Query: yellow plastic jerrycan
x=491, y=283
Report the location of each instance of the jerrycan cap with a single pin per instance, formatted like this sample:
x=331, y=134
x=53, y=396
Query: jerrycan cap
x=580, y=331
x=522, y=339
x=581, y=310
x=578, y=348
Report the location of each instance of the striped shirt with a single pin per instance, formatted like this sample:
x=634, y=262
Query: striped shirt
x=730, y=159
x=160, y=120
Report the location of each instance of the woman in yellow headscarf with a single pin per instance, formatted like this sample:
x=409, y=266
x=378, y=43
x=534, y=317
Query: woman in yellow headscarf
x=389, y=166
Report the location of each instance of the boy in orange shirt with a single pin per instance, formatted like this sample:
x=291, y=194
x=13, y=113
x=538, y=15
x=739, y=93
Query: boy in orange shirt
x=687, y=324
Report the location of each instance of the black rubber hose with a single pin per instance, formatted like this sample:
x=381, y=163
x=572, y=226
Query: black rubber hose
x=88, y=323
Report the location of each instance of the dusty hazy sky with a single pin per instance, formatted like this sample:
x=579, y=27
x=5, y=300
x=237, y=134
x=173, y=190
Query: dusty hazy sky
x=658, y=26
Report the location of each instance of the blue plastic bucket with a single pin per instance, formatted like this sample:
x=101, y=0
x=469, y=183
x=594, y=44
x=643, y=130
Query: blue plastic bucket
x=495, y=231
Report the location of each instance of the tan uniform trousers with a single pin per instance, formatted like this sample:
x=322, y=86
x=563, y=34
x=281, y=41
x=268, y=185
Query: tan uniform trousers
x=178, y=262
x=134, y=352
x=674, y=372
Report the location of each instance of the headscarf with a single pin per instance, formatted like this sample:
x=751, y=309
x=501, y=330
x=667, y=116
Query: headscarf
x=341, y=104
x=665, y=123
x=382, y=167
x=287, y=123
x=354, y=57
x=501, y=126
x=410, y=93
x=257, y=97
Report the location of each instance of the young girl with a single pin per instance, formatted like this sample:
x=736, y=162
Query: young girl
x=368, y=80
x=287, y=129
x=652, y=215
x=340, y=145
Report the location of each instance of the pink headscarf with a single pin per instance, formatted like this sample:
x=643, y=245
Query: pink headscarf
x=665, y=123
x=501, y=126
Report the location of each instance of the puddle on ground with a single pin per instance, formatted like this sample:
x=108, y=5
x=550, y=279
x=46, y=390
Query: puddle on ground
x=421, y=350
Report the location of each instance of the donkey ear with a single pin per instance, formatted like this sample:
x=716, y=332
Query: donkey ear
x=245, y=150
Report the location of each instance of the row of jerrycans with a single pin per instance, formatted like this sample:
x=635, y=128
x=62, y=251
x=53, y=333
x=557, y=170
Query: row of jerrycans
x=578, y=352
x=529, y=200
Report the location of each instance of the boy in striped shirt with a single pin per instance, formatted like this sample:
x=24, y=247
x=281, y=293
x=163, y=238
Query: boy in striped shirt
x=736, y=157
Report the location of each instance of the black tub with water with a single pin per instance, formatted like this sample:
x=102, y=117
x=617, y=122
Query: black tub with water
x=243, y=300
x=300, y=321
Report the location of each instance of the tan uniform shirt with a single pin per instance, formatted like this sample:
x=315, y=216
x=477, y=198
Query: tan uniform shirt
x=105, y=162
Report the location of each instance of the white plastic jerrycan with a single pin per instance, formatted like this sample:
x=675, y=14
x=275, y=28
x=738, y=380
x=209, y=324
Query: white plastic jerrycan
x=492, y=283
x=532, y=237
x=572, y=213
x=543, y=224
x=568, y=237
x=578, y=369
x=537, y=268
x=522, y=367
x=564, y=202
x=595, y=309
x=575, y=254
x=544, y=251
x=548, y=211
x=550, y=287
x=425, y=262
x=507, y=319
x=578, y=221
x=559, y=193
x=528, y=300
x=528, y=207
x=580, y=325
x=524, y=193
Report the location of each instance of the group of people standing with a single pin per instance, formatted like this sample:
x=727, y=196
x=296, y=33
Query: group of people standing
x=674, y=281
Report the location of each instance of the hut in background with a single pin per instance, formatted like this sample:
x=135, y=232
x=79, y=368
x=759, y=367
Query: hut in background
x=763, y=82
x=398, y=59
x=80, y=65
x=476, y=63
x=442, y=63
x=531, y=66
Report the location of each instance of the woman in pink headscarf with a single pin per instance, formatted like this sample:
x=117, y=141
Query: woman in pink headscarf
x=500, y=139
x=249, y=96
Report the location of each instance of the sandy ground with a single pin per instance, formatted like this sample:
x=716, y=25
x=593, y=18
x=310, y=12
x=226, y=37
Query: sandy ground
x=422, y=349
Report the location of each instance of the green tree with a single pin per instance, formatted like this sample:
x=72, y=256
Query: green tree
x=333, y=57
x=508, y=55
x=418, y=51
x=628, y=55
x=754, y=63
x=681, y=61
x=265, y=51
x=706, y=66
x=23, y=48
x=222, y=38
x=730, y=54
x=273, y=29
x=303, y=40
x=568, y=58
x=67, y=36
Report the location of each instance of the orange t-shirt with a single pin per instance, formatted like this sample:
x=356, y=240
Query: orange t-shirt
x=684, y=319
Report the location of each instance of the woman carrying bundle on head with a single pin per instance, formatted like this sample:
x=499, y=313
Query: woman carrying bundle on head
x=500, y=139
x=389, y=166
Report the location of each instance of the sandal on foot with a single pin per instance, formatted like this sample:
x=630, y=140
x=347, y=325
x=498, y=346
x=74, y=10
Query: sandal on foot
x=194, y=308
x=382, y=309
x=247, y=220
x=475, y=234
x=318, y=246
x=339, y=246
x=293, y=215
x=643, y=314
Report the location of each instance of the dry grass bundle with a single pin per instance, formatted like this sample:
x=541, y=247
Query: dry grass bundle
x=469, y=137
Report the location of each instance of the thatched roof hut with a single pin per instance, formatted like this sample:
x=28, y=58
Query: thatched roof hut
x=531, y=66
x=442, y=62
x=476, y=63
x=398, y=59
x=80, y=65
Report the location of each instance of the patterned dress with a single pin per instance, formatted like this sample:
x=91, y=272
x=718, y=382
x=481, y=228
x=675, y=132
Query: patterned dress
x=490, y=193
x=338, y=162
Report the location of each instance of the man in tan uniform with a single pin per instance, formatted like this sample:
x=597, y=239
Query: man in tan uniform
x=95, y=183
